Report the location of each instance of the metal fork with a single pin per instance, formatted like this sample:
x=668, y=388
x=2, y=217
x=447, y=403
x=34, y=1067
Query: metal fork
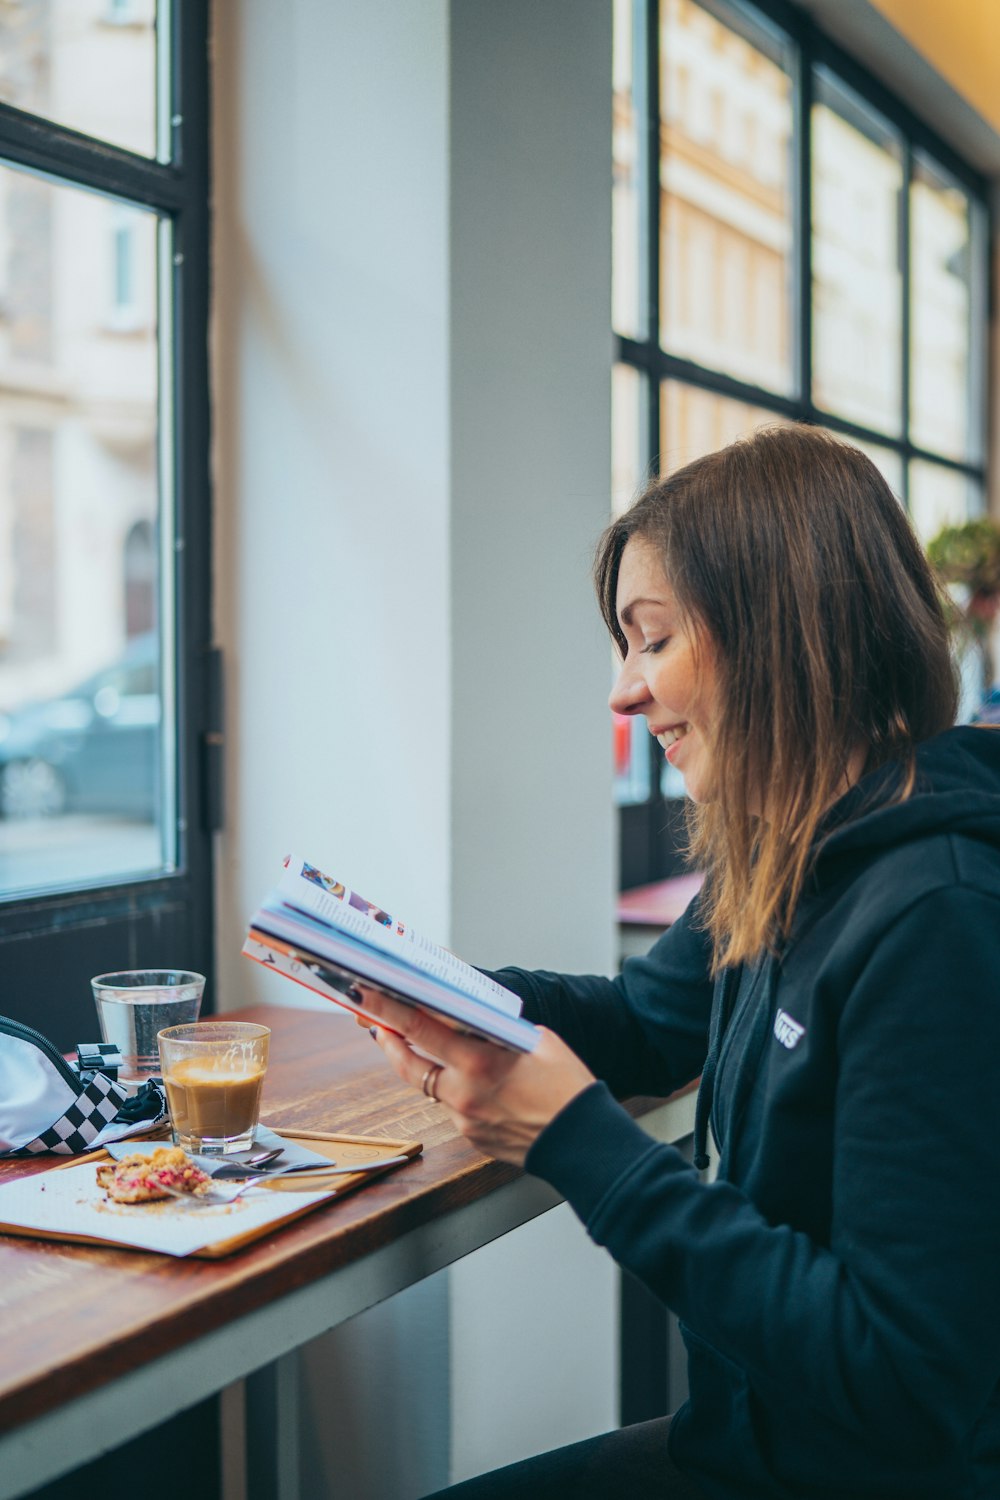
x=216, y=1194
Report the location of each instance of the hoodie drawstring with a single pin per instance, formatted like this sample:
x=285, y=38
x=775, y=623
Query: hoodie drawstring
x=706, y=1089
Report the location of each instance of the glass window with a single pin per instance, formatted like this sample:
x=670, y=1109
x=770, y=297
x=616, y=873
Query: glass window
x=92, y=67
x=85, y=737
x=943, y=405
x=110, y=691
x=629, y=740
x=857, y=290
x=628, y=290
x=631, y=744
x=810, y=265
x=941, y=497
x=629, y=442
x=695, y=421
x=887, y=461
x=726, y=239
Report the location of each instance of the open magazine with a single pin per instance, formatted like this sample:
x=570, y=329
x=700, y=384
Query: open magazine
x=325, y=936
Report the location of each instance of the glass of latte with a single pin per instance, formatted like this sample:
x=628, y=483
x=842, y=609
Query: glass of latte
x=213, y=1072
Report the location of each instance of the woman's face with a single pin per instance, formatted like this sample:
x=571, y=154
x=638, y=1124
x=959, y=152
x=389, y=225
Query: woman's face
x=659, y=677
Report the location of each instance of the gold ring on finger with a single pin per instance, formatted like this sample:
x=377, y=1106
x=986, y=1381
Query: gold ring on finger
x=429, y=1081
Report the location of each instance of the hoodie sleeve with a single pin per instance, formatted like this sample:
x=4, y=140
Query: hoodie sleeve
x=904, y=1301
x=645, y=1032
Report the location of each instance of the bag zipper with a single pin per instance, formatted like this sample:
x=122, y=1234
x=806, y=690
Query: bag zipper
x=29, y=1034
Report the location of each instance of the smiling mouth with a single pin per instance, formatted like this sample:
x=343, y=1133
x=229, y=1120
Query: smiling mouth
x=671, y=736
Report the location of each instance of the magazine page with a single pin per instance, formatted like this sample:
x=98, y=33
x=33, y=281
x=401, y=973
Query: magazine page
x=337, y=983
x=305, y=887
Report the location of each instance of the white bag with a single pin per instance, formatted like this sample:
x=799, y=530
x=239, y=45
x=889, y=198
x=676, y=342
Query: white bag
x=47, y=1104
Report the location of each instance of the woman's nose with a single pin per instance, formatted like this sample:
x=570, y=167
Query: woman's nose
x=629, y=692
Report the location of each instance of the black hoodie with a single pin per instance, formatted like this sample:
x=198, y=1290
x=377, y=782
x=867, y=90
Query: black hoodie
x=838, y=1285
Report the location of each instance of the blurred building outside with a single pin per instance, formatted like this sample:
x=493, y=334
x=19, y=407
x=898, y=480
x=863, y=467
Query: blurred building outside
x=79, y=509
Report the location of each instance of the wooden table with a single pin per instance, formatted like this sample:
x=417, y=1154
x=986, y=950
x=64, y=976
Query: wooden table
x=100, y=1344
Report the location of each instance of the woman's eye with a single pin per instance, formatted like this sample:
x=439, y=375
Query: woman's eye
x=654, y=647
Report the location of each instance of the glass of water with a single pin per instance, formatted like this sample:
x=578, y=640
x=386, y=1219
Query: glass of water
x=136, y=1004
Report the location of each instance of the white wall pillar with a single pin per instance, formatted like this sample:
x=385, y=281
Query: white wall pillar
x=412, y=289
x=533, y=1318
x=532, y=866
x=331, y=380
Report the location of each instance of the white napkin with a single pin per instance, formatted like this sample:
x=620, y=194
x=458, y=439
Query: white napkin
x=264, y=1140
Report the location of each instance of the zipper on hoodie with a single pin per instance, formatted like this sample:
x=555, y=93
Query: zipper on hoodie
x=754, y=981
x=745, y=1064
x=26, y=1033
x=726, y=987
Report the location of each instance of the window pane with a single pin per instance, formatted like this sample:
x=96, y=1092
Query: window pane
x=628, y=290
x=941, y=400
x=90, y=66
x=726, y=233
x=630, y=743
x=83, y=728
x=887, y=461
x=693, y=422
x=940, y=497
x=628, y=436
x=857, y=279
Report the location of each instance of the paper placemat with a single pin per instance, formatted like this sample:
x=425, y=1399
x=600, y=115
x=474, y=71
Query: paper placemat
x=68, y=1204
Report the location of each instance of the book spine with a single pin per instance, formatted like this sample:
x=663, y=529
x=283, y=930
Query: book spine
x=271, y=954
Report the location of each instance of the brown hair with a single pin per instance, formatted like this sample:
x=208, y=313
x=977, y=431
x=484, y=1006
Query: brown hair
x=788, y=551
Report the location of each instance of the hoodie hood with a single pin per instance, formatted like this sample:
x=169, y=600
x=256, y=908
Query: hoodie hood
x=957, y=790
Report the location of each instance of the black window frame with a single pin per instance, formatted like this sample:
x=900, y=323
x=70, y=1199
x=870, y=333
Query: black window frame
x=51, y=942
x=651, y=831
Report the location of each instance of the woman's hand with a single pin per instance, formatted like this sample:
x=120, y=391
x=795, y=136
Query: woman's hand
x=500, y=1100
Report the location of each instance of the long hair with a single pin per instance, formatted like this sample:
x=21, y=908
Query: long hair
x=790, y=556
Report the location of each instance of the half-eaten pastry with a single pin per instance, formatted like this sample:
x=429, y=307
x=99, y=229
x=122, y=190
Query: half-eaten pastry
x=142, y=1179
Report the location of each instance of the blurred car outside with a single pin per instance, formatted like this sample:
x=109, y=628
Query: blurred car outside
x=93, y=749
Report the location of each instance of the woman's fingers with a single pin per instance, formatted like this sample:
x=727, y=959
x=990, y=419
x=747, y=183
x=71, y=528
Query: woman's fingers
x=428, y=1035
x=402, y=1018
x=499, y=1100
x=410, y=1066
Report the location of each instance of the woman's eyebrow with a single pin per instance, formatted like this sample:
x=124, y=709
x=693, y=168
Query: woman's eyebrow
x=626, y=615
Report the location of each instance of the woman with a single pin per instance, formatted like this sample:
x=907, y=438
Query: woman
x=835, y=986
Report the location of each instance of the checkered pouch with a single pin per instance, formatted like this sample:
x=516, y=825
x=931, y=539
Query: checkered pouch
x=47, y=1104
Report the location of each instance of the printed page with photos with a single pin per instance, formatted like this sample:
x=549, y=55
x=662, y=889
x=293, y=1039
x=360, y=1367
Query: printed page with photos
x=317, y=931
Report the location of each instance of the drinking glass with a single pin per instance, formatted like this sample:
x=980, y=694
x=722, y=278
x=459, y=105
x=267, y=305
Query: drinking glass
x=135, y=1004
x=213, y=1072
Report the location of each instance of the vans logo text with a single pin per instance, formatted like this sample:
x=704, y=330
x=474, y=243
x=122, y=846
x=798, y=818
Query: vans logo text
x=788, y=1032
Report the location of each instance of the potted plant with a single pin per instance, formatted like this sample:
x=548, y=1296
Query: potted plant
x=966, y=558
